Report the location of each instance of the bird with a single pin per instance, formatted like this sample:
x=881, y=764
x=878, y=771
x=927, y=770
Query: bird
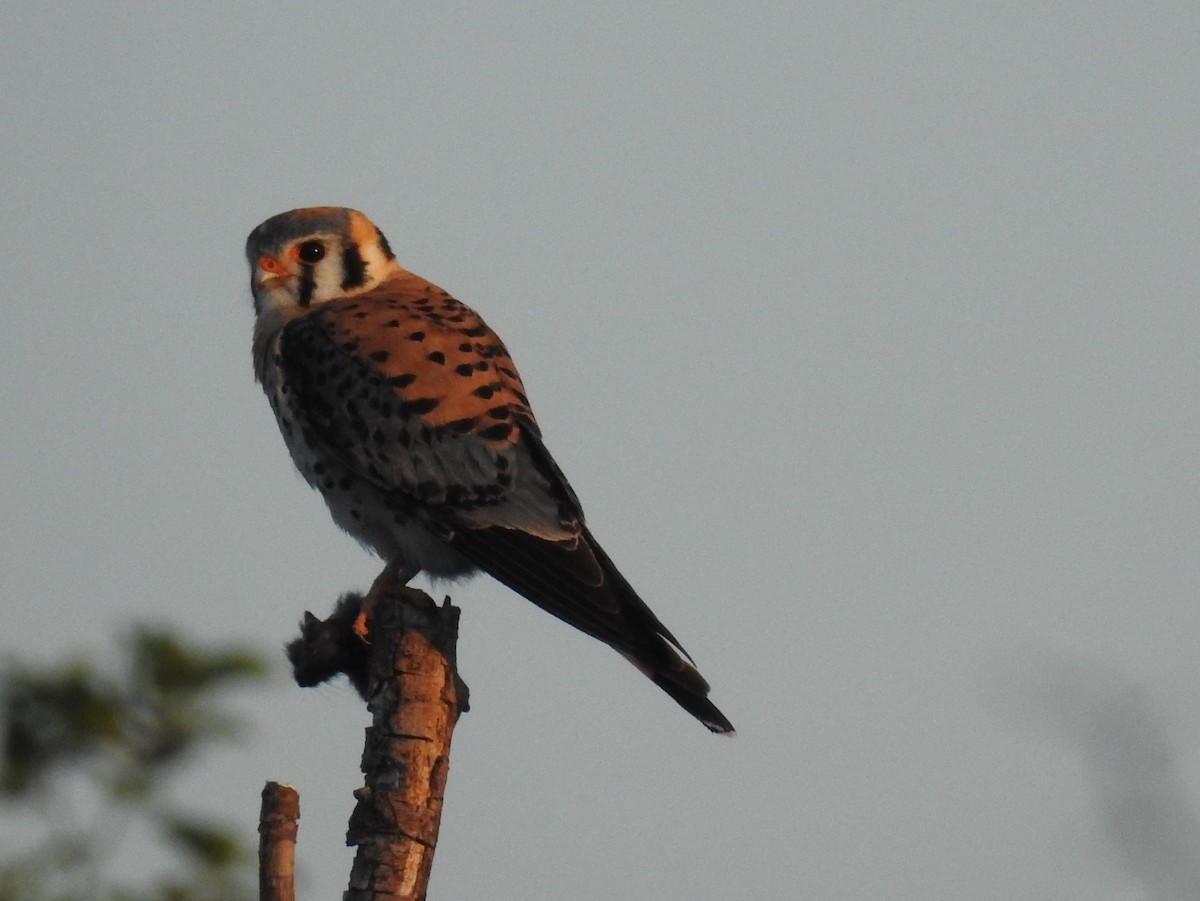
x=405, y=411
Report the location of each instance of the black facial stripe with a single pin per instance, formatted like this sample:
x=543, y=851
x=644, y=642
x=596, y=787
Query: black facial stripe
x=308, y=284
x=383, y=244
x=354, y=270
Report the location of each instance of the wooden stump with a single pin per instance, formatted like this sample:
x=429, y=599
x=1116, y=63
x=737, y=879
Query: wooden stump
x=413, y=694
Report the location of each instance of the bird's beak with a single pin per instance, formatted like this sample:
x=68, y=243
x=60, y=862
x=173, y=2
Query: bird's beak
x=271, y=272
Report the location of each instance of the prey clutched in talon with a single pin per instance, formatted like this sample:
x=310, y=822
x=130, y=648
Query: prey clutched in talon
x=394, y=577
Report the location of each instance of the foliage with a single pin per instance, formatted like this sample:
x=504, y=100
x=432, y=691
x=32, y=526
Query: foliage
x=116, y=738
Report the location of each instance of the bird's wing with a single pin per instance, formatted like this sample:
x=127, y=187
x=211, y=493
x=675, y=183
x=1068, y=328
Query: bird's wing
x=415, y=394
x=419, y=397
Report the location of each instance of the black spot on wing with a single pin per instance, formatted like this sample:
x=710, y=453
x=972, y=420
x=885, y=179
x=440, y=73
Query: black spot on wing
x=421, y=405
x=498, y=432
x=460, y=426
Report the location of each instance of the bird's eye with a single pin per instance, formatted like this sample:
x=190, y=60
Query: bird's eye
x=311, y=252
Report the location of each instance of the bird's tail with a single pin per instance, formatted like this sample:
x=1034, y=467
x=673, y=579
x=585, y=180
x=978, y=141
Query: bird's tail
x=577, y=582
x=656, y=652
x=683, y=682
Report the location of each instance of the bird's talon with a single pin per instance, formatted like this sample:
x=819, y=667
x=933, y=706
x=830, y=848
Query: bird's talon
x=360, y=626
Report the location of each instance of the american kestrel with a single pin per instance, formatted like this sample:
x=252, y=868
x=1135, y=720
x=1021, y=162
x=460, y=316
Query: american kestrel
x=406, y=412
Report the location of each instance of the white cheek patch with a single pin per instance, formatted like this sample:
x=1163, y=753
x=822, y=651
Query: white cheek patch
x=327, y=276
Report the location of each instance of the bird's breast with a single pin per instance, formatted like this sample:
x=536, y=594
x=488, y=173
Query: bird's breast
x=379, y=520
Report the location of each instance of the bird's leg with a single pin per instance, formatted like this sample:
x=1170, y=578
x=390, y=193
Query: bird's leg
x=393, y=577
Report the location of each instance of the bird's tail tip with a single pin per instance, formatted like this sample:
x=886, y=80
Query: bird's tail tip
x=694, y=700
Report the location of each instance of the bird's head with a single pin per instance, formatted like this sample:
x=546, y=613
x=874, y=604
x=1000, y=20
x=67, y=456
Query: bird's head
x=303, y=258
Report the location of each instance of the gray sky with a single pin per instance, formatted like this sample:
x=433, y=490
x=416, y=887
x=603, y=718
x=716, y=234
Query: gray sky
x=865, y=332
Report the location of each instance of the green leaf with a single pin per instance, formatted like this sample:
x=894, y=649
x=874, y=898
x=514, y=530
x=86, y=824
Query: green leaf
x=118, y=735
x=52, y=716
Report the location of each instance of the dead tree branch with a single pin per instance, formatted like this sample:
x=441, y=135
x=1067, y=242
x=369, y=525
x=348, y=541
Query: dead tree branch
x=277, y=826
